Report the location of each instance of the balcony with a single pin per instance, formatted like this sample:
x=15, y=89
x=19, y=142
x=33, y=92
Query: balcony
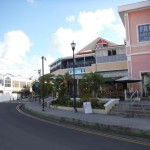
x=70, y=65
x=105, y=59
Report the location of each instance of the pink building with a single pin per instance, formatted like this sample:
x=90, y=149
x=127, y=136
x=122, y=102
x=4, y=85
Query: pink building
x=136, y=19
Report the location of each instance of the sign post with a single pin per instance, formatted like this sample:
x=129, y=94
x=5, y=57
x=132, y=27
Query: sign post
x=87, y=107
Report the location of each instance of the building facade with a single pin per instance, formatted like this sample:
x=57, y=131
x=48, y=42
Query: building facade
x=100, y=56
x=11, y=85
x=136, y=20
x=112, y=60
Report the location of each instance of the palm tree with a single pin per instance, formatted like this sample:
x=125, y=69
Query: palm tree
x=90, y=84
x=62, y=84
x=60, y=88
x=47, y=84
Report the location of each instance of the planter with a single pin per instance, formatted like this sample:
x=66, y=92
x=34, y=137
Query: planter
x=99, y=111
x=66, y=108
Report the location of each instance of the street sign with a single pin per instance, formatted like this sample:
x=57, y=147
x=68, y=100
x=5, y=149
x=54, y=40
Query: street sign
x=144, y=33
x=37, y=85
x=87, y=107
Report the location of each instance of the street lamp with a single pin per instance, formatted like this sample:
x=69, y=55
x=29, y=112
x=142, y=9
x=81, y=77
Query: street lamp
x=73, y=45
x=43, y=58
x=39, y=72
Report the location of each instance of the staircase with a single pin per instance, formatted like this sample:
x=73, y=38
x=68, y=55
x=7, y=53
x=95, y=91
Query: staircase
x=128, y=109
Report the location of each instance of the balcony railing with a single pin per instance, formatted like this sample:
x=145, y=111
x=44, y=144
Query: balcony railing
x=70, y=65
x=104, y=59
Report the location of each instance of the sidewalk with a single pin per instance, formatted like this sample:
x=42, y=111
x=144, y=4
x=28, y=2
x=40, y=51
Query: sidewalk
x=132, y=125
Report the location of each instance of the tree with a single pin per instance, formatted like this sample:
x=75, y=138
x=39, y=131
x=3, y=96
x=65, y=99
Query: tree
x=90, y=84
x=25, y=91
x=47, y=84
x=62, y=84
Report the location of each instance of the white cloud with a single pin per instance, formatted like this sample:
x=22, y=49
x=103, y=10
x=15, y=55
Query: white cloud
x=16, y=44
x=13, y=55
x=91, y=25
x=96, y=21
x=119, y=31
x=62, y=39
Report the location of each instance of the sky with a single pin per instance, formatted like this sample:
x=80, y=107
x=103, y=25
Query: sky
x=30, y=29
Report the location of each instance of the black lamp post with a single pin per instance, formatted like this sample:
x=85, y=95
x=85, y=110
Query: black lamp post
x=43, y=58
x=73, y=45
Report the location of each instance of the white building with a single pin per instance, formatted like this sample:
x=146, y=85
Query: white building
x=11, y=86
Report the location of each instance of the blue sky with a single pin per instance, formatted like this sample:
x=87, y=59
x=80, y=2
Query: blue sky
x=30, y=29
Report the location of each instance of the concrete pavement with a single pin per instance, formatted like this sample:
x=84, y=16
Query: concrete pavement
x=116, y=123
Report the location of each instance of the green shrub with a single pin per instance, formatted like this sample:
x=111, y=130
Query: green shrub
x=94, y=103
x=101, y=104
x=69, y=103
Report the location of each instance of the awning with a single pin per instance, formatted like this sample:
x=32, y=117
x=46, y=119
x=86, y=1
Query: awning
x=128, y=79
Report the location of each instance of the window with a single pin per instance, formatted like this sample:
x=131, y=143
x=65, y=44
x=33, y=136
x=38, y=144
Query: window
x=22, y=84
x=8, y=82
x=111, y=52
x=1, y=82
x=15, y=84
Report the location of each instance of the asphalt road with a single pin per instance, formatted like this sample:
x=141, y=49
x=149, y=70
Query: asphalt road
x=19, y=132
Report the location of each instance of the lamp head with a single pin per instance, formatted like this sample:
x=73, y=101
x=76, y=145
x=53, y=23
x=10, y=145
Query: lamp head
x=73, y=45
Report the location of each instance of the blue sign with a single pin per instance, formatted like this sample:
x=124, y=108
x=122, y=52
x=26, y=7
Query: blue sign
x=144, y=32
x=77, y=70
x=37, y=85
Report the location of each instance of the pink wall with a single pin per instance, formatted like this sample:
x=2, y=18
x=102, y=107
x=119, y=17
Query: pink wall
x=140, y=63
x=135, y=18
x=138, y=53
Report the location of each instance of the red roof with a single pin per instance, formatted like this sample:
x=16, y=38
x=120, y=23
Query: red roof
x=101, y=41
x=81, y=53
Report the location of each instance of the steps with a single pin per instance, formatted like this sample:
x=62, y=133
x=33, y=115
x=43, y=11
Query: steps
x=126, y=109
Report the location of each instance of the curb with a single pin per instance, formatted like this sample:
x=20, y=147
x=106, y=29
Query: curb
x=82, y=123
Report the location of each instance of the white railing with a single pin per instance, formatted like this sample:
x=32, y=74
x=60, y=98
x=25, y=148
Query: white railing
x=137, y=98
x=111, y=103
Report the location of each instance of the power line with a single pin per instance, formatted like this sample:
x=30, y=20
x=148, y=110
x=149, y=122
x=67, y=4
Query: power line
x=8, y=60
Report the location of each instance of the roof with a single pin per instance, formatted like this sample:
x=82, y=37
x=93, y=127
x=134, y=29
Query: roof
x=88, y=49
x=132, y=7
x=102, y=41
x=128, y=79
x=91, y=46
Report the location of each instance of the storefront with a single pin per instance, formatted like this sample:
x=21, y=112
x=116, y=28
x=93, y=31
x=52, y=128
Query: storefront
x=136, y=20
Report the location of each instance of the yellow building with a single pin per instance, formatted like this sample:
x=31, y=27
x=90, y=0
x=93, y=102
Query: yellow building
x=101, y=56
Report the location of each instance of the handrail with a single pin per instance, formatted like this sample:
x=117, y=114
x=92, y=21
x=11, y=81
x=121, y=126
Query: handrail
x=135, y=92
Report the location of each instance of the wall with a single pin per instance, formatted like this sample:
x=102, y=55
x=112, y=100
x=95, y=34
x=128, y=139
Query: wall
x=112, y=66
x=138, y=53
x=135, y=18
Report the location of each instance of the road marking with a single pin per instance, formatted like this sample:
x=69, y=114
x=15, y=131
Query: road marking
x=85, y=130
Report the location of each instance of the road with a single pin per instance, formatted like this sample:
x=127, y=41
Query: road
x=19, y=132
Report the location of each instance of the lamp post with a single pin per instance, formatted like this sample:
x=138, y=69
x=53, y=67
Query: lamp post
x=43, y=58
x=39, y=72
x=73, y=45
